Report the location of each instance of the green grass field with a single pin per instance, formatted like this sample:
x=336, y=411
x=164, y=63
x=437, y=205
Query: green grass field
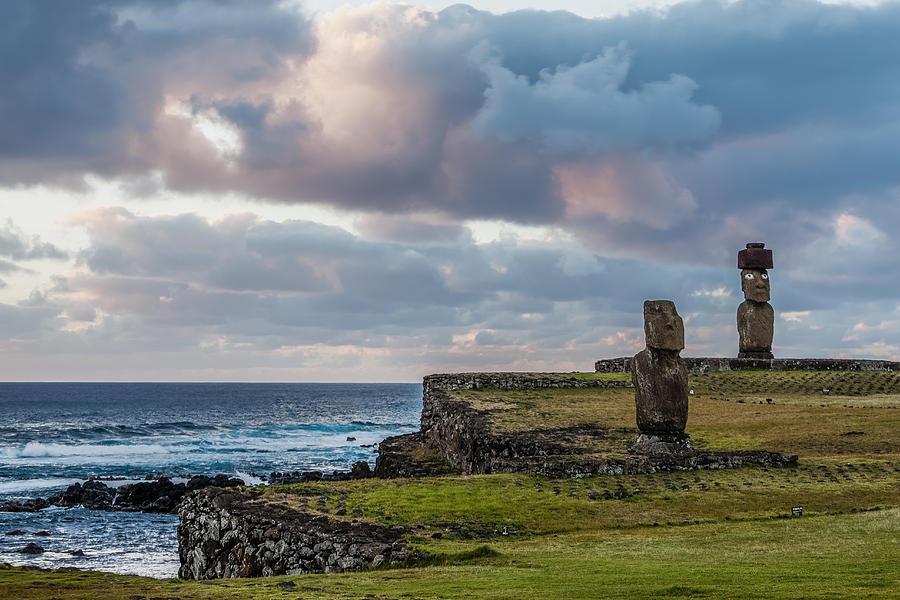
x=700, y=534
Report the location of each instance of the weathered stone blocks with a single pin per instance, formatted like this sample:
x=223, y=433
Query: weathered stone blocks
x=228, y=534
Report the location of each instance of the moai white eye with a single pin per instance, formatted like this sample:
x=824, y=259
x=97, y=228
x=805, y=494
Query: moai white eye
x=748, y=275
x=765, y=276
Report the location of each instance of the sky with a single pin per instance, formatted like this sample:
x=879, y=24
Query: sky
x=218, y=190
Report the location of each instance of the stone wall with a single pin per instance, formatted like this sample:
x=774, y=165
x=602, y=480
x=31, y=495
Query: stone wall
x=512, y=381
x=708, y=365
x=222, y=533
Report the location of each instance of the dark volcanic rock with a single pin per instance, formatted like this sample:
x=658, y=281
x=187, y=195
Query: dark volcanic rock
x=32, y=505
x=662, y=444
x=94, y=495
x=31, y=548
x=357, y=472
x=160, y=496
x=15, y=532
x=361, y=470
x=410, y=455
x=222, y=481
x=154, y=496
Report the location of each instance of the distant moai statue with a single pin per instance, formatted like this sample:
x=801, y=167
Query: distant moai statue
x=661, y=382
x=755, y=316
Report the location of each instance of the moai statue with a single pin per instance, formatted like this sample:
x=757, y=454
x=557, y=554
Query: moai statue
x=661, y=383
x=755, y=316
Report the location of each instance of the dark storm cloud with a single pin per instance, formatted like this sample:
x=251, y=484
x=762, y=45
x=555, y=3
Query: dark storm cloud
x=85, y=82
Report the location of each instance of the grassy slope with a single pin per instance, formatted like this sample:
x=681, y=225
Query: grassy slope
x=846, y=556
x=709, y=534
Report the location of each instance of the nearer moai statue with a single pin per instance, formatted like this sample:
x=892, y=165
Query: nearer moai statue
x=755, y=316
x=661, y=382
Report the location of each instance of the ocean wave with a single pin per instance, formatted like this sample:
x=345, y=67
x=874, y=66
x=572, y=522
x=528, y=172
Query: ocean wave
x=51, y=450
x=184, y=430
x=249, y=479
x=25, y=485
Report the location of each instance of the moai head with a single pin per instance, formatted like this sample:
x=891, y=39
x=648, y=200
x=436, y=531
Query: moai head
x=753, y=262
x=663, y=328
x=755, y=283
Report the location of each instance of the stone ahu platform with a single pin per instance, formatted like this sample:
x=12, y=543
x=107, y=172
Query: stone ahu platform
x=712, y=365
x=549, y=424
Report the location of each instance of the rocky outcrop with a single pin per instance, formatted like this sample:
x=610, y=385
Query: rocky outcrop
x=157, y=496
x=229, y=534
x=359, y=470
x=31, y=548
x=711, y=365
x=410, y=456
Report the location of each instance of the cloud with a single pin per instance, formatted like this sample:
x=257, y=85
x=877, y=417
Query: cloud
x=623, y=191
x=6, y=266
x=617, y=129
x=18, y=246
x=583, y=108
x=86, y=84
x=385, y=227
x=239, y=296
x=375, y=107
x=654, y=144
x=241, y=285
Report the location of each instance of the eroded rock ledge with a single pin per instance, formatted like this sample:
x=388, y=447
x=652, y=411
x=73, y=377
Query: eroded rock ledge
x=222, y=533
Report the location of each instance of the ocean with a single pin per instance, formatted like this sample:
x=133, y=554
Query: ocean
x=55, y=434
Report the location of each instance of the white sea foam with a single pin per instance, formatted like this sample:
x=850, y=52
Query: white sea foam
x=27, y=485
x=41, y=450
x=248, y=479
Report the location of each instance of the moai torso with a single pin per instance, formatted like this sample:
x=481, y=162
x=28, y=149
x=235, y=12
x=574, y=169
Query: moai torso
x=756, y=326
x=660, y=391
